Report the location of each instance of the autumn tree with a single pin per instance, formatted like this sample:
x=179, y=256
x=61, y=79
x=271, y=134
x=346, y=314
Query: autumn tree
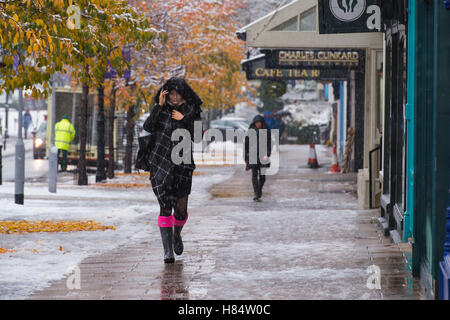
x=212, y=54
x=201, y=46
x=38, y=34
x=32, y=44
x=106, y=27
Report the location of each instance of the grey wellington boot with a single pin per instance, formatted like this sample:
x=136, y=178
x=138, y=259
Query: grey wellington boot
x=167, y=237
x=177, y=241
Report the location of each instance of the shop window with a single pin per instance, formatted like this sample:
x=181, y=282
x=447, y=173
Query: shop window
x=308, y=20
x=290, y=25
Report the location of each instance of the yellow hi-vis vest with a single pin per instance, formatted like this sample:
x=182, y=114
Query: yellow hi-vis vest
x=64, y=134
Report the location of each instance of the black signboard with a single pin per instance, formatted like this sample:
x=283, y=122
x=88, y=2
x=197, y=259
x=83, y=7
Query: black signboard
x=315, y=58
x=349, y=16
x=264, y=68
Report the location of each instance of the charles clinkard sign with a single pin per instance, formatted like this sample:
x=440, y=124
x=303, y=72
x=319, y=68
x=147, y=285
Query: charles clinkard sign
x=349, y=16
x=315, y=58
x=304, y=64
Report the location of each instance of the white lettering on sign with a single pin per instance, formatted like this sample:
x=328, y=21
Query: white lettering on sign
x=374, y=21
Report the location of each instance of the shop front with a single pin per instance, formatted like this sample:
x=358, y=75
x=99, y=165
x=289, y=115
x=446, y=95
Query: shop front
x=326, y=65
x=292, y=47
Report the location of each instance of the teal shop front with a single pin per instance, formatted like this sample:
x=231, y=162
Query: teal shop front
x=432, y=140
x=410, y=132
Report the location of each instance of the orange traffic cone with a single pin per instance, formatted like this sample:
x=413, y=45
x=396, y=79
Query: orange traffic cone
x=312, y=160
x=335, y=165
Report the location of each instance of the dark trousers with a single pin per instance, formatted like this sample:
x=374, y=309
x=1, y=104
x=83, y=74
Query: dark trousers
x=63, y=160
x=258, y=180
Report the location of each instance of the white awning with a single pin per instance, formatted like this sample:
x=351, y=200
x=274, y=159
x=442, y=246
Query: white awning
x=279, y=30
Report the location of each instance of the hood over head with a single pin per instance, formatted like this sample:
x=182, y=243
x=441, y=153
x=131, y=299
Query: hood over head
x=183, y=89
x=256, y=119
x=180, y=86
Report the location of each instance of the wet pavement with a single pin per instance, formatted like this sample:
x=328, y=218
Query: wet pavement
x=304, y=240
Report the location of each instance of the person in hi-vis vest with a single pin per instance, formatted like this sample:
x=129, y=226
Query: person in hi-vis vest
x=64, y=134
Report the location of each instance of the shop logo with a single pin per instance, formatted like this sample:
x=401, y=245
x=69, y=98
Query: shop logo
x=347, y=10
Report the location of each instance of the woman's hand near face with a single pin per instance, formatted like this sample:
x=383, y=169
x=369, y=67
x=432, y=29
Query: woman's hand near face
x=163, y=97
x=177, y=115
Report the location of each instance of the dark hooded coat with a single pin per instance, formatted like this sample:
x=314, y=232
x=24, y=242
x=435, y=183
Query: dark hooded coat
x=169, y=180
x=255, y=147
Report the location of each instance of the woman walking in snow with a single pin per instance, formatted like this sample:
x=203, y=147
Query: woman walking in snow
x=177, y=106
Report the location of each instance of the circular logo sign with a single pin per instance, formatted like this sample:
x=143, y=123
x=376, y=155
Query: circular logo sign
x=347, y=10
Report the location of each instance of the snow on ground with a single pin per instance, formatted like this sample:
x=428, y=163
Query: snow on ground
x=310, y=113
x=220, y=153
x=40, y=258
x=306, y=95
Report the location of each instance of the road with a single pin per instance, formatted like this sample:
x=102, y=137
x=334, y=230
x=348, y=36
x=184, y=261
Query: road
x=34, y=169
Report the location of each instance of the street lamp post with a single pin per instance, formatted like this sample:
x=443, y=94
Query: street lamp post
x=20, y=158
x=53, y=151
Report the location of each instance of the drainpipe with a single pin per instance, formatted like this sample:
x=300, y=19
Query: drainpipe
x=342, y=116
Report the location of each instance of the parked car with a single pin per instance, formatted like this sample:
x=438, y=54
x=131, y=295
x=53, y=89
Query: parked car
x=238, y=121
x=225, y=124
x=39, y=138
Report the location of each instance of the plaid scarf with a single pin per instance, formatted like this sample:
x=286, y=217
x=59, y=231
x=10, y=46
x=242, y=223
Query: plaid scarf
x=164, y=174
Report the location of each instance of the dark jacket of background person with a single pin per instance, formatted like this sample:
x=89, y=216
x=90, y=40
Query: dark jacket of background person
x=247, y=142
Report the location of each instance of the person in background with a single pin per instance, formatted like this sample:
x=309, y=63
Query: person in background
x=64, y=134
x=26, y=122
x=269, y=120
x=258, y=179
x=279, y=124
